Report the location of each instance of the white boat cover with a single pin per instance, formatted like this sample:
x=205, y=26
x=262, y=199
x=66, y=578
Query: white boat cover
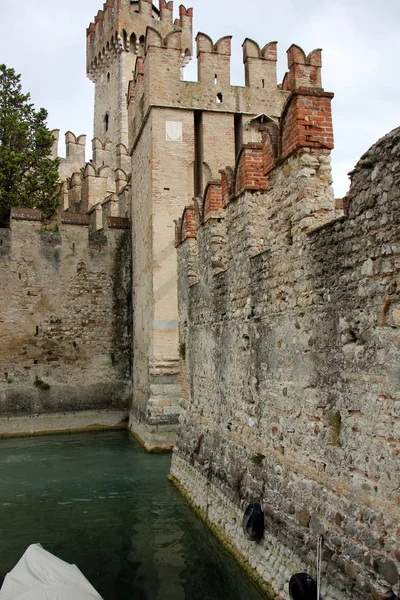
x=40, y=575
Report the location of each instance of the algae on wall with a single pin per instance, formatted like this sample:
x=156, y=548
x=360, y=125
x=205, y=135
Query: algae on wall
x=66, y=311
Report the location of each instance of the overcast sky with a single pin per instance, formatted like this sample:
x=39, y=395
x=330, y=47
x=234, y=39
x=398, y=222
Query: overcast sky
x=45, y=41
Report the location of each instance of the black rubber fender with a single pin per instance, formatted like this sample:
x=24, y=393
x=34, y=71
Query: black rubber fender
x=253, y=522
x=302, y=587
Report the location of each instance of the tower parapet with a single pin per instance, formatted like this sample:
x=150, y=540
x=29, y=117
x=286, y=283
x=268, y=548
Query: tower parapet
x=85, y=184
x=115, y=39
x=75, y=147
x=304, y=71
x=260, y=64
x=213, y=60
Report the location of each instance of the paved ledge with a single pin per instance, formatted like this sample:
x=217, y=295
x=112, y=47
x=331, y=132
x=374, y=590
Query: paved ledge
x=63, y=423
x=153, y=438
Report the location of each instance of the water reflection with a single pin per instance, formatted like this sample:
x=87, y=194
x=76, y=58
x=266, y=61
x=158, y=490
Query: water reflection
x=98, y=500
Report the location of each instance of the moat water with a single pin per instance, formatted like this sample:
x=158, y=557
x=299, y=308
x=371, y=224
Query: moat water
x=99, y=501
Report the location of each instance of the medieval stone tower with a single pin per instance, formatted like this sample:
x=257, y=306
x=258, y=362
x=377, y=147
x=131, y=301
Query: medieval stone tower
x=114, y=41
x=178, y=135
x=282, y=363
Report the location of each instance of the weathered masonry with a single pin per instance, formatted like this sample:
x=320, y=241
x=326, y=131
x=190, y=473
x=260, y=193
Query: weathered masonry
x=65, y=323
x=279, y=374
x=290, y=346
x=179, y=134
x=158, y=141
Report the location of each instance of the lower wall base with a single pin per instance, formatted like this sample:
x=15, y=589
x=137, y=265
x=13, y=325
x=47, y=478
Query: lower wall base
x=153, y=438
x=62, y=423
x=266, y=588
x=270, y=561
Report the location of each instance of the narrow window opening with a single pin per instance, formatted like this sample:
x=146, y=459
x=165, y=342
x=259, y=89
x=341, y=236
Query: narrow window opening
x=19, y=276
x=108, y=77
x=198, y=152
x=219, y=99
x=73, y=247
x=141, y=45
x=106, y=122
x=238, y=133
x=37, y=330
x=133, y=44
x=263, y=83
x=215, y=79
x=1, y=242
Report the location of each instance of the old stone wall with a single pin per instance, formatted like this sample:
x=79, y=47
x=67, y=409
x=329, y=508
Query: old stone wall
x=290, y=367
x=180, y=135
x=161, y=66
x=142, y=268
x=162, y=183
x=65, y=326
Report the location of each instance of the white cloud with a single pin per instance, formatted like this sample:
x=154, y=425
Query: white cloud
x=46, y=42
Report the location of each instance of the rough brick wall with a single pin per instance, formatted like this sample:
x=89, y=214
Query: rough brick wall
x=291, y=360
x=65, y=319
x=307, y=121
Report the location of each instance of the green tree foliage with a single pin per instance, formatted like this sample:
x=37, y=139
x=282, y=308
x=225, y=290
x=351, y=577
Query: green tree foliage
x=28, y=176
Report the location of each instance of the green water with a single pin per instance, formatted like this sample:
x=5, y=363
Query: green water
x=99, y=501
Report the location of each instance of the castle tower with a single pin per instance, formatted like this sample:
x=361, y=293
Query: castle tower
x=114, y=41
x=180, y=135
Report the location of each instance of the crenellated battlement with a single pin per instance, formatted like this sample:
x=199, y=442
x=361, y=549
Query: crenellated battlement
x=86, y=184
x=121, y=28
x=93, y=186
x=304, y=71
x=157, y=81
x=260, y=64
x=278, y=301
x=305, y=126
x=75, y=148
x=213, y=60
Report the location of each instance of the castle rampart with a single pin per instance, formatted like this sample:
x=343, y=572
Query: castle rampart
x=158, y=82
x=74, y=153
x=65, y=321
x=88, y=184
x=289, y=345
x=181, y=134
x=279, y=373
